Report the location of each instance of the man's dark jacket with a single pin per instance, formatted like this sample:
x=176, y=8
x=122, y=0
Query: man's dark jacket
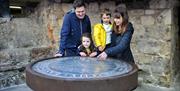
x=71, y=31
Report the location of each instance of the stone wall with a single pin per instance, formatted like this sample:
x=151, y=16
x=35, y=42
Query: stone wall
x=152, y=42
x=22, y=40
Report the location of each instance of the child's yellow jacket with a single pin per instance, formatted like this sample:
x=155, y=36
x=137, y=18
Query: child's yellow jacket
x=99, y=35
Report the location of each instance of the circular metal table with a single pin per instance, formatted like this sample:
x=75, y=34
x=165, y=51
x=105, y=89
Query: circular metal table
x=81, y=74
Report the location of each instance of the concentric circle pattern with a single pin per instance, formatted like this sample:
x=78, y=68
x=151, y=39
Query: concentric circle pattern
x=81, y=68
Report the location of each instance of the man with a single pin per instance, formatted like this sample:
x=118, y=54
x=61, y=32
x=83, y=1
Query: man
x=74, y=25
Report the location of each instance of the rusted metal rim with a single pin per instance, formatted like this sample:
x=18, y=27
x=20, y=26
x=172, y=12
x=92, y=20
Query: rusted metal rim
x=41, y=82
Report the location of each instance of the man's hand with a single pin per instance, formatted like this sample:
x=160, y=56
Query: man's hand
x=82, y=54
x=58, y=55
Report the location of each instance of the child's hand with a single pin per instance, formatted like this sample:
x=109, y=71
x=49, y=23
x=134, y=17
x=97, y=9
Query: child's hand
x=93, y=54
x=83, y=54
x=100, y=48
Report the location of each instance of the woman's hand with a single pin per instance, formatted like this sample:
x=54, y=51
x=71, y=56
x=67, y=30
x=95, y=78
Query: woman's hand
x=82, y=54
x=102, y=56
x=93, y=54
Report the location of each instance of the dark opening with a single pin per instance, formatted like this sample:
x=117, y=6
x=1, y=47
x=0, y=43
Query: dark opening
x=137, y=4
x=16, y=12
x=29, y=7
x=4, y=8
x=176, y=46
x=178, y=22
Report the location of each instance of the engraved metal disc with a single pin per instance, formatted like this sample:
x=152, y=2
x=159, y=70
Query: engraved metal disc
x=81, y=68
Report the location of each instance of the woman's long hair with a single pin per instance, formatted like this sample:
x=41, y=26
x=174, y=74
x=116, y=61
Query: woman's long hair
x=121, y=11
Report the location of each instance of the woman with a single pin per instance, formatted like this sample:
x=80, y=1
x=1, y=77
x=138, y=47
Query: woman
x=120, y=38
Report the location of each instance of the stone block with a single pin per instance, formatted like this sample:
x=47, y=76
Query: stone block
x=138, y=12
x=165, y=50
x=93, y=8
x=40, y=53
x=14, y=59
x=135, y=20
x=143, y=59
x=165, y=17
x=159, y=63
x=177, y=86
x=66, y=7
x=158, y=32
x=11, y=78
x=109, y=4
x=149, y=12
x=147, y=20
x=149, y=46
x=160, y=4
x=139, y=32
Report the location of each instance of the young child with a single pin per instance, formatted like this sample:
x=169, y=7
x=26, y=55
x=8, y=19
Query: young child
x=87, y=47
x=102, y=31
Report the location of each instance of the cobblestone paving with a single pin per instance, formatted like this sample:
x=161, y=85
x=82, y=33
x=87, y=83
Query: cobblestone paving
x=24, y=87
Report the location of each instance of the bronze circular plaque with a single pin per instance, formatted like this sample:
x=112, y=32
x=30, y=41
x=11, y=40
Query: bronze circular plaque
x=81, y=68
x=81, y=74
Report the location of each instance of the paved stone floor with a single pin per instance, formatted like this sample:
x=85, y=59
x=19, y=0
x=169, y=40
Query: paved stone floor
x=144, y=87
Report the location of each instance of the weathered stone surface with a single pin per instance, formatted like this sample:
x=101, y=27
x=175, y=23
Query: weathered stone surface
x=156, y=4
x=17, y=39
x=135, y=20
x=161, y=33
x=147, y=20
x=109, y=4
x=139, y=32
x=165, y=17
x=66, y=7
x=11, y=78
x=150, y=46
x=138, y=12
x=40, y=53
x=93, y=8
x=149, y=12
x=13, y=59
x=16, y=36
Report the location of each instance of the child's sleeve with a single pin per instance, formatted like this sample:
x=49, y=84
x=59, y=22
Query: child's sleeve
x=96, y=34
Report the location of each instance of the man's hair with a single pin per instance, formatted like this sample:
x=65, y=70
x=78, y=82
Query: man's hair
x=78, y=3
